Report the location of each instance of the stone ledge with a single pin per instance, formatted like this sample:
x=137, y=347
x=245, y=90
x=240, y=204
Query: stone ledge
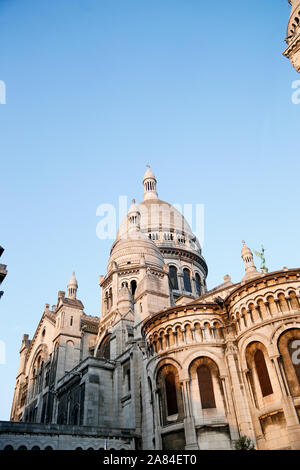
x=10, y=427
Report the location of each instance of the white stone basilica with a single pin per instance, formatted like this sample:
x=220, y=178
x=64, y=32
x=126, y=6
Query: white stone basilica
x=168, y=365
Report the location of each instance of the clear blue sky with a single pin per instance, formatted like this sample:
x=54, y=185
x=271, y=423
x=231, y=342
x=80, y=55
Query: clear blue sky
x=98, y=88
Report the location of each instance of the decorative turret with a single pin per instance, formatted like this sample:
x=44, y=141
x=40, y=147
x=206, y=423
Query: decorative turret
x=134, y=217
x=250, y=267
x=72, y=287
x=149, y=182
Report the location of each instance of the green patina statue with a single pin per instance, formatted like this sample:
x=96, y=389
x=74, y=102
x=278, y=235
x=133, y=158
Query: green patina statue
x=261, y=255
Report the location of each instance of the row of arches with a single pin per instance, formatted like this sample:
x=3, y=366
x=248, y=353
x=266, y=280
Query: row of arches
x=265, y=308
x=23, y=447
x=174, y=285
x=264, y=377
x=179, y=335
x=11, y=448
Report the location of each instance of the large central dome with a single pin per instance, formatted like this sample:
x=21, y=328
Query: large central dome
x=159, y=220
x=167, y=229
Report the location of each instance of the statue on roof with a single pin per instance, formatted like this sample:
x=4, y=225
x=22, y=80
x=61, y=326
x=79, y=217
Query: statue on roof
x=261, y=255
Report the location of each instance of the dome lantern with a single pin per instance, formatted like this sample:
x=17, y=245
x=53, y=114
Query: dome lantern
x=250, y=268
x=149, y=182
x=72, y=287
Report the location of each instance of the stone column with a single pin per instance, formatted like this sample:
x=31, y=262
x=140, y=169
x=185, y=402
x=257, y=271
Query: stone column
x=240, y=400
x=268, y=309
x=193, y=285
x=288, y=299
x=180, y=282
x=290, y=413
x=249, y=313
x=277, y=303
x=189, y=423
x=157, y=421
x=253, y=407
x=230, y=414
x=117, y=381
x=257, y=308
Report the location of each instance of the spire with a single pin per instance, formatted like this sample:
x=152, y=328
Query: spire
x=250, y=268
x=72, y=287
x=149, y=182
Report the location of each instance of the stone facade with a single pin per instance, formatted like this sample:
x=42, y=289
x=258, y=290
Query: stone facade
x=292, y=52
x=168, y=365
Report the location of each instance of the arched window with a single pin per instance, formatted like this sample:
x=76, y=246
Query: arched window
x=106, y=301
x=8, y=448
x=206, y=387
x=262, y=373
x=187, y=280
x=133, y=287
x=173, y=277
x=110, y=298
x=198, y=284
x=171, y=395
x=289, y=347
x=293, y=347
x=104, y=348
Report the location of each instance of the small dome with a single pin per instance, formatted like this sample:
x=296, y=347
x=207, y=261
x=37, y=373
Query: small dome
x=133, y=208
x=73, y=282
x=133, y=248
x=245, y=250
x=149, y=174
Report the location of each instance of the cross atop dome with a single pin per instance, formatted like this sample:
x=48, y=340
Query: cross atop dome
x=149, y=182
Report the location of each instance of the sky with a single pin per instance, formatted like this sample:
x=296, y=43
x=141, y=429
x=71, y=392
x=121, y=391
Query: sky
x=97, y=89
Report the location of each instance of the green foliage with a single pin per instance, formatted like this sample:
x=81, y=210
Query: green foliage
x=244, y=443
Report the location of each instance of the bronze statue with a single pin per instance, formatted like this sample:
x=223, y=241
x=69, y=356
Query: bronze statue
x=261, y=255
